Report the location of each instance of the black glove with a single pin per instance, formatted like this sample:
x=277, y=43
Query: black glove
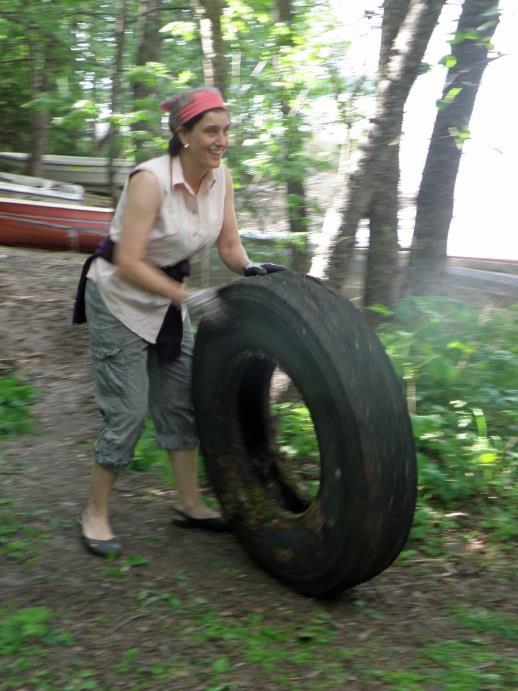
x=255, y=269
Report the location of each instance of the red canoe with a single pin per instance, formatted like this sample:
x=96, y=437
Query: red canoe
x=52, y=226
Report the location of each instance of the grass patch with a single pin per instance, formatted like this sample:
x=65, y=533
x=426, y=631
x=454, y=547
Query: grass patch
x=452, y=665
x=16, y=398
x=27, y=638
x=22, y=628
x=18, y=540
x=487, y=622
x=280, y=652
x=463, y=665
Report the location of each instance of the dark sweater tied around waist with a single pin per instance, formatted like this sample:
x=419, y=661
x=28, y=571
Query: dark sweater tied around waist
x=169, y=339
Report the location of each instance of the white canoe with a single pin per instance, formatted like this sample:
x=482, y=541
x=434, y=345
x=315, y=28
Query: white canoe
x=92, y=173
x=28, y=187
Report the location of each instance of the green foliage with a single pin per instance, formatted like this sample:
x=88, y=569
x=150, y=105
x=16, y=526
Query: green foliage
x=16, y=398
x=291, y=419
x=463, y=665
x=26, y=640
x=19, y=540
x=459, y=367
x=262, y=644
x=454, y=666
x=459, y=360
x=298, y=444
x=149, y=457
x=448, y=61
x=147, y=454
x=284, y=71
x=448, y=97
x=127, y=661
x=18, y=629
x=278, y=74
x=461, y=134
x=499, y=624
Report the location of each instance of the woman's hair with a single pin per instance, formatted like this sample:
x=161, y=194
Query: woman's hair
x=175, y=144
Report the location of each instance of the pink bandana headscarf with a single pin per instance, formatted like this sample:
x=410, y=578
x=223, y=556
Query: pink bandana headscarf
x=188, y=104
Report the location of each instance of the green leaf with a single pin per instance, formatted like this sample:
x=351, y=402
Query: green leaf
x=221, y=665
x=382, y=310
x=448, y=61
x=449, y=97
x=426, y=424
x=181, y=29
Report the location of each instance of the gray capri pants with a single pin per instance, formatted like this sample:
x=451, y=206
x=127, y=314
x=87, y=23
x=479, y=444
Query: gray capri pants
x=129, y=380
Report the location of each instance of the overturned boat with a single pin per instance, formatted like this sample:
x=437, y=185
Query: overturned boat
x=91, y=172
x=29, y=187
x=48, y=225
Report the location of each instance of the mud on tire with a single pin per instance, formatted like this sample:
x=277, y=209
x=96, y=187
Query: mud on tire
x=359, y=519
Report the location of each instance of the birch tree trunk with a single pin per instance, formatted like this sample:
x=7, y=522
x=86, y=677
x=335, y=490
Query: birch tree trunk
x=367, y=178
x=427, y=263
x=382, y=256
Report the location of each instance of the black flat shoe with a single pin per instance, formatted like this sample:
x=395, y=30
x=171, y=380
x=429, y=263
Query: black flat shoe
x=216, y=525
x=101, y=548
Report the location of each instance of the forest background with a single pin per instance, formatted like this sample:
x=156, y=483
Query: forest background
x=314, y=123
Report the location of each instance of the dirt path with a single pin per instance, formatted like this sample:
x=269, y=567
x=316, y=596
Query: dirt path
x=183, y=610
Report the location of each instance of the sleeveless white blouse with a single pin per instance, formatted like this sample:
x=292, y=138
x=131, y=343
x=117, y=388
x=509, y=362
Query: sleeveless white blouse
x=185, y=226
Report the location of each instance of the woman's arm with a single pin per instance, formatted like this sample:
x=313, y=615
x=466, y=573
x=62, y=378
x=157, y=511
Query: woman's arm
x=229, y=244
x=143, y=205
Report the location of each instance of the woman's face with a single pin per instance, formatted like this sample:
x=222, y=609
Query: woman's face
x=208, y=139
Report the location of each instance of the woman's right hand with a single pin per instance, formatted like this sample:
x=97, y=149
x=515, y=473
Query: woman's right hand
x=205, y=303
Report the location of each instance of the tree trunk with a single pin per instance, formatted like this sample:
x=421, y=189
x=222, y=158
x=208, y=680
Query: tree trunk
x=41, y=76
x=435, y=200
x=381, y=278
x=148, y=40
x=367, y=178
x=382, y=256
x=116, y=78
x=94, y=143
x=213, y=46
x=293, y=146
x=40, y=121
x=148, y=50
x=294, y=174
x=394, y=13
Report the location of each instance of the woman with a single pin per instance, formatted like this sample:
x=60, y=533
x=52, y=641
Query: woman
x=133, y=296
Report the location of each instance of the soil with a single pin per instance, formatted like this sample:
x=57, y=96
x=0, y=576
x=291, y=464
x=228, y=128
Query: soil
x=163, y=597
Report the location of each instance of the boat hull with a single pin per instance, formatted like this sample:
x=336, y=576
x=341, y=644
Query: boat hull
x=52, y=226
x=39, y=189
x=92, y=173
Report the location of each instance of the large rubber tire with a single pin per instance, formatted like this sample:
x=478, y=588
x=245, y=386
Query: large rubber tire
x=360, y=519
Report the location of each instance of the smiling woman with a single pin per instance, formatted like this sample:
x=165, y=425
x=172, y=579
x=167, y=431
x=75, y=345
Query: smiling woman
x=132, y=294
x=205, y=133
x=206, y=139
